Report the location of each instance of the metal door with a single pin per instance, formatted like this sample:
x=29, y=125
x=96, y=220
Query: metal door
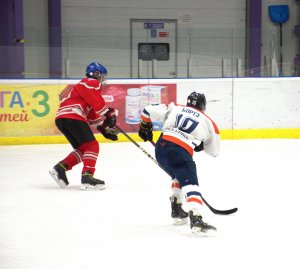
x=153, y=48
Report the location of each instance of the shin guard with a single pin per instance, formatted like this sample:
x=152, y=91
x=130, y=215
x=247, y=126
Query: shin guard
x=90, y=151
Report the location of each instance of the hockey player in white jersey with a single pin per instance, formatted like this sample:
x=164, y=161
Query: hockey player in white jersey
x=186, y=129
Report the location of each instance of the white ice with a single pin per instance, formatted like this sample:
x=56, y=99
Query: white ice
x=128, y=224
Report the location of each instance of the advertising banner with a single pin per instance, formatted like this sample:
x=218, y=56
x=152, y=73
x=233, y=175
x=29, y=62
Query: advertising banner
x=130, y=99
x=29, y=109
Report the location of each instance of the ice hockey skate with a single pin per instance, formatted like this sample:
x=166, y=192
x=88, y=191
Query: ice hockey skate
x=58, y=173
x=88, y=182
x=178, y=215
x=199, y=227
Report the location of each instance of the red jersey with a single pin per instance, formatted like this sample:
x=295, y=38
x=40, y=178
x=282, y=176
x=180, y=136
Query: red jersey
x=84, y=102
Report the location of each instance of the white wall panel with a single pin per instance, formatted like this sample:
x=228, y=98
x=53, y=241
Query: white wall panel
x=105, y=25
x=218, y=30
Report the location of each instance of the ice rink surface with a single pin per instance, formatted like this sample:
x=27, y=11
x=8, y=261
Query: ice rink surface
x=128, y=225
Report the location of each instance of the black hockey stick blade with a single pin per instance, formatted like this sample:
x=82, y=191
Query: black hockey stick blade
x=219, y=212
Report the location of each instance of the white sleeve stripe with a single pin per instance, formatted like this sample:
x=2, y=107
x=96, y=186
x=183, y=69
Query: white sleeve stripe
x=102, y=111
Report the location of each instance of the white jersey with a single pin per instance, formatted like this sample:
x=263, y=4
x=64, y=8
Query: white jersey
x=185, y=126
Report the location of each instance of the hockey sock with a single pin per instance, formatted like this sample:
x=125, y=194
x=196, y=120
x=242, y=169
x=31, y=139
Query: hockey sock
x=193, y=198
x=90, y=151
x=176, y=190
x=72, y=159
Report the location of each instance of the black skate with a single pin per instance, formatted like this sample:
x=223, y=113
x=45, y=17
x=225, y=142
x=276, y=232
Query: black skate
x=178, y=214
x=88, y=182
x=58, y=173
x=200, y=227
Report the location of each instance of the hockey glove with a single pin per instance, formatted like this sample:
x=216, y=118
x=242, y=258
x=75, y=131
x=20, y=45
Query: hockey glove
x=111, y=118
x=199, y=148
x=145, y=131
x=108, y=133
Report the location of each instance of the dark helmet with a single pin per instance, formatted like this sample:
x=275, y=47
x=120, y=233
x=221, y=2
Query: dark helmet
x=95, y=67
x=197, y=100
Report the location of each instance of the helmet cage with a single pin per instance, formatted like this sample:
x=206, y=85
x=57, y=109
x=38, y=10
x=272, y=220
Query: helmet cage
x=101, y=77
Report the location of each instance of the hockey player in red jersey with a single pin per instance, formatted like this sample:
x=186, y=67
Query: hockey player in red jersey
x=82, y=107
x=185, y=129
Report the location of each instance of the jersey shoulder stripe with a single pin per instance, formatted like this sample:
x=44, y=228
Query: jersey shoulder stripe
x=90, y=83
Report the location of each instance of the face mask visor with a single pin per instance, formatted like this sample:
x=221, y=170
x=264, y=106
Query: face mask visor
x=100, y=77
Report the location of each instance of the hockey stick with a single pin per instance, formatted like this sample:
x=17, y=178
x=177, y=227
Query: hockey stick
x=215, y=211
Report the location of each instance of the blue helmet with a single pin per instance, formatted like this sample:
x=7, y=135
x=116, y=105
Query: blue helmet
x=94, y=67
